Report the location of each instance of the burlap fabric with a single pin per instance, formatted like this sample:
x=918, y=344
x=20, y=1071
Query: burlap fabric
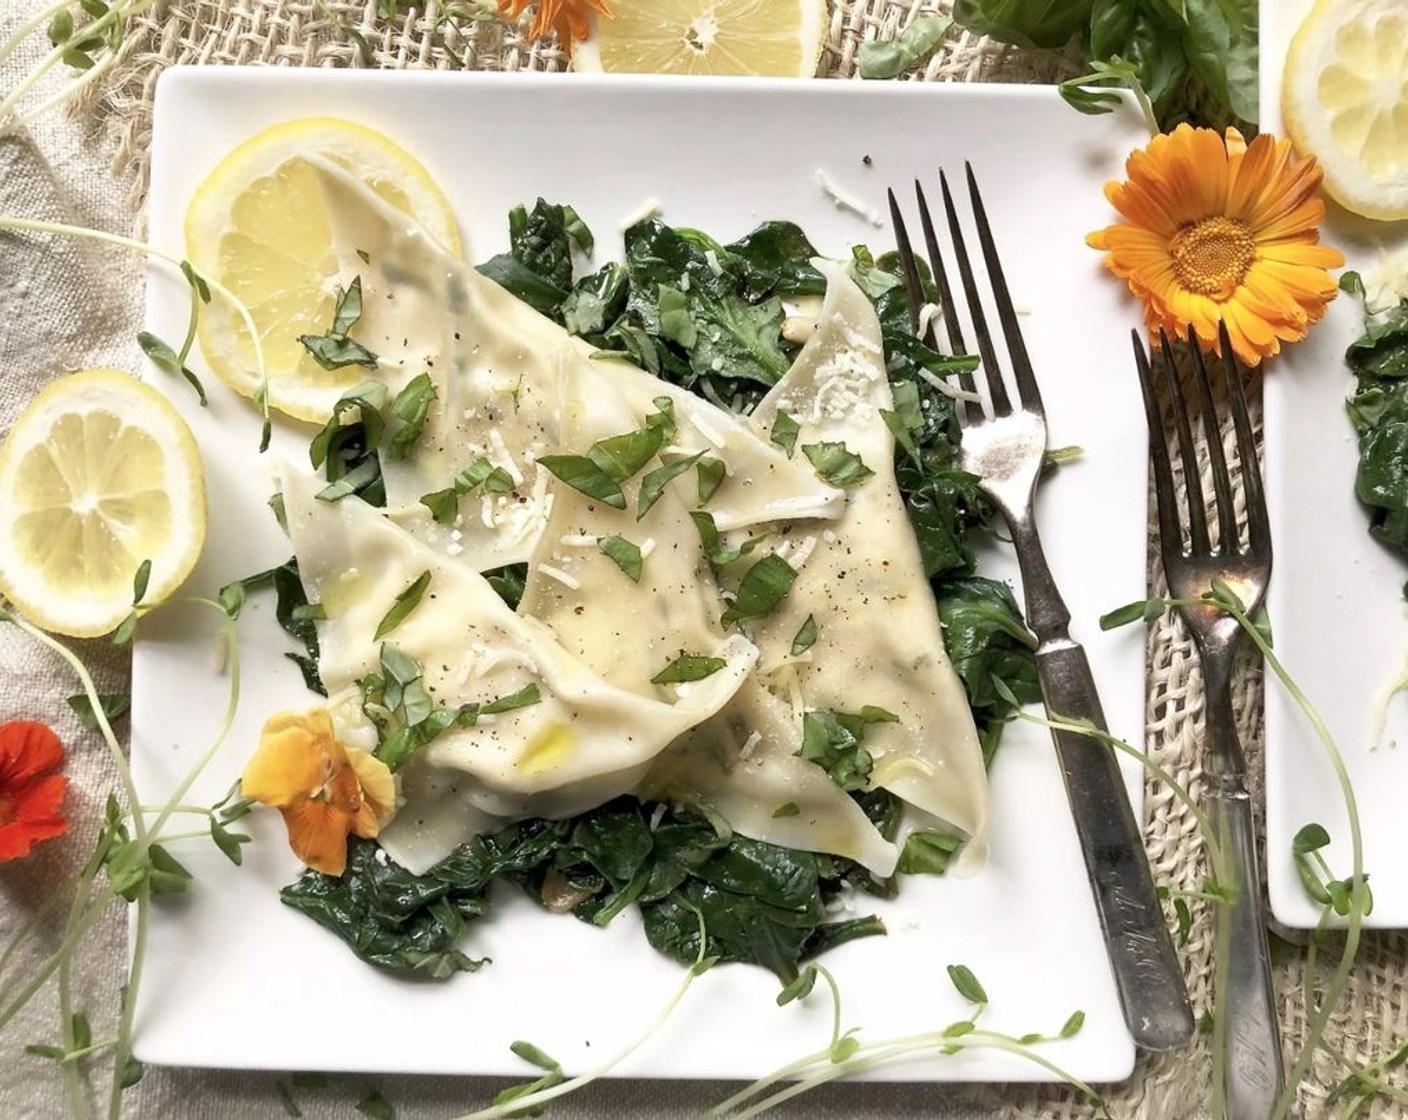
x=67, y=306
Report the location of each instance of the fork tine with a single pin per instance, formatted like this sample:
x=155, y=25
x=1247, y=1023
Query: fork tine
x=936, y=266
x=1027, y=391
x=1192, y=485
x=1258, y=520
x=1217, y=458
x=1165, y=494
x=912, y=284
x=1001, y=406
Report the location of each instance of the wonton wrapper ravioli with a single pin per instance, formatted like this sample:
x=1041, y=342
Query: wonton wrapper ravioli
x=497, y=376
x=878, y=636
x=585, y=742
x=742, y=763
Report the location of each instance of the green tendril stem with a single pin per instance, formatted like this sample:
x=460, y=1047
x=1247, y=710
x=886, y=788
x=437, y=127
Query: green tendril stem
x=28, y=225
x=26, y=29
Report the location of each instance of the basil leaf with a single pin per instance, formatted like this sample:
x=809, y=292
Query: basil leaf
x=688, y=667
x=787, y=809
x=784, y=432
x=525, y=697
x=714, y=549
x=805, y=637
x=334, y=352
x=622, y=456
x=833, y=741
x=764, y=585
x=711, y=474
x=444, y=505
x=836, y=464
x=412, y=408
x=585, y=476
x=405, y=603
x=625, y=553
x=652, y=486
x=928, y=852
x=348, y=309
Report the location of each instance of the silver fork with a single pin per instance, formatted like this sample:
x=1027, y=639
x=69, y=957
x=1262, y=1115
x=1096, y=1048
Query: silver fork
x=1245, y=1037
x=1005, y=451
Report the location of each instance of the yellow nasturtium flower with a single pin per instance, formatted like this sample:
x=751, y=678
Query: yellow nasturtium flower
x=326, y=791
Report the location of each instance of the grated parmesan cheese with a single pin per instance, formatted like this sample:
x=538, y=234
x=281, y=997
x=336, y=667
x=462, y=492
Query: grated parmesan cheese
x=845, y=201
x=650, y=208
x=561, y=576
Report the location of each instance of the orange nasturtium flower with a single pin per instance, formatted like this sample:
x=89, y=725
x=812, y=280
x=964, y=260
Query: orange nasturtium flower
x=567, y=17
x=30, y=789
x=326, y=791
x=1220, y=230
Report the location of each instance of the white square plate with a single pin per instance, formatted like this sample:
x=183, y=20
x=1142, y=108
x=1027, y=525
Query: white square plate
x=234, y=978
x=1336, y=598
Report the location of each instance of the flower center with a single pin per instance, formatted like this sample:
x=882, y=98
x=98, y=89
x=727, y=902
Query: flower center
x=1212, y=256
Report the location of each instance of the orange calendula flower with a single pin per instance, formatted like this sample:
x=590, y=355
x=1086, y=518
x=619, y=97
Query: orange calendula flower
x=567, y=17
x=1221, y=230
x=326, y=791
x=31, y=791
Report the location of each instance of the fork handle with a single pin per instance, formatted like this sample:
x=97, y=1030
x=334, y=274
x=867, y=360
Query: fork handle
x=1147, y=974
x=1250, y=1046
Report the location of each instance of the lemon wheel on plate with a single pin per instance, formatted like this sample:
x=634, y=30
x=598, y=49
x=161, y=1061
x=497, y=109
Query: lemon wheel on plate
x=97, y=476
x=259, y=225
x=1344, y=98
x=775, y=38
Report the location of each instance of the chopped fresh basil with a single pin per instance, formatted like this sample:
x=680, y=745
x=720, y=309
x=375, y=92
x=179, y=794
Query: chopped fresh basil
x=335, y=350
x=712, y=540
x=406, y=602
x=585, y=476
x=625, y=553
x=764, y=585
x=444, y=505
x=805, y=637
x=784, y=432
x=711, y=473
x=888, y=58
x=928, y=852
x=836, y=464
x=620, y=457
x=787, y=809
x=688, y=667
x=525, y=697
x=412, y=408
x=652, y=486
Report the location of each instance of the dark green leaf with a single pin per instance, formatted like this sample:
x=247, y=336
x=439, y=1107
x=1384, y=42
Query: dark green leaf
x=625, y=553
x=333, y=352
x=833, y=741
x=688, y=667
x=113, y=704
x=712, y=541
x=784, y=432
x=652, y=486
x=523, y=698
x=928, y=852
x=584, y=475
x=836, y=464
x=764, y=585
x=405, y=603
x=620, y=457
x=1024, y=23
x=805, y=637
x=711, y=473
x=412, y=408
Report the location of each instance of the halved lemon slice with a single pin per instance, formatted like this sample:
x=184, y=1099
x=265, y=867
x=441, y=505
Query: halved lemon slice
x=1345, y=101
x=260, y=225
x=98, y=474
x=776, y=38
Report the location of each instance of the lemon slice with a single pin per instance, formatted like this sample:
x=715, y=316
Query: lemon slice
x=98, y=474
x=1345, y=101
x=776, y=38
x=260, y=225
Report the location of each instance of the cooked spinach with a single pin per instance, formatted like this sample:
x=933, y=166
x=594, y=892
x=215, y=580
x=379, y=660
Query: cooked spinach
x=295, y=615
x=761, y=904
x=1378, y=409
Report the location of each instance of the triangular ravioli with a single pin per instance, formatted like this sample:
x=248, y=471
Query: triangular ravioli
x=862, y=581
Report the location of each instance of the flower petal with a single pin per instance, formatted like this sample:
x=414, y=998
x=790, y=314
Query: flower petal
x=27, y=750
x=317, y=833
x=297, y=755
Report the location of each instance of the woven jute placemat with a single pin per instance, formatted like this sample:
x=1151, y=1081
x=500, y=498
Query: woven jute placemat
x=348, y=33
